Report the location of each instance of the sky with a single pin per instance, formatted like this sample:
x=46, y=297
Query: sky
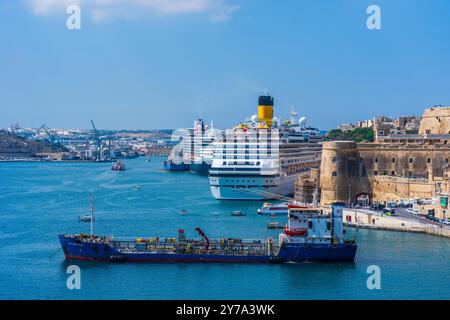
x=145, y=64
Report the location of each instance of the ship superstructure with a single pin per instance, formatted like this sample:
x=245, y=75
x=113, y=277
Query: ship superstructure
x=262, y=158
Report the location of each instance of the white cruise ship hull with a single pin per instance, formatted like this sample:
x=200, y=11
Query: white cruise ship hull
x=252, y=187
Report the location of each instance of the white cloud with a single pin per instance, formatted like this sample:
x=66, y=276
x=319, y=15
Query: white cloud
x=102, y=10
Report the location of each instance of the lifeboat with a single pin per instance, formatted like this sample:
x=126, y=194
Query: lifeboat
x=295, y=206
x=297, y=232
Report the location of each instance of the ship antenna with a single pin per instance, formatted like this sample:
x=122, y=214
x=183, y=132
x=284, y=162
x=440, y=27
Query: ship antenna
x=91, y=200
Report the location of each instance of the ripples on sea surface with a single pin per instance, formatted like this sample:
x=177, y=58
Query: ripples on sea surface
x=40, y=200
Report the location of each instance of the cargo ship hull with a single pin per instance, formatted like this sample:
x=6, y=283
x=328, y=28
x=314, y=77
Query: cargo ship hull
x=199, y=168
x=171, y=166
x=75, y=249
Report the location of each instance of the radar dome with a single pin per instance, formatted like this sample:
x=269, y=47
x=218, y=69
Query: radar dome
x=302, y=121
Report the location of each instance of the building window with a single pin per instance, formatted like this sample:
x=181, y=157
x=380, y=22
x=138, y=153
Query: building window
x=428, y=160
x=334, y=174
x=375, y=173
x=393, y=160
x=376, y=160
x=392, y=173
x=410, y=160
x=334, y=159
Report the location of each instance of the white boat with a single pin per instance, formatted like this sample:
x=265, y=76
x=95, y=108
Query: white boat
x=274, y=225
x=262, y=158
x=274, y=209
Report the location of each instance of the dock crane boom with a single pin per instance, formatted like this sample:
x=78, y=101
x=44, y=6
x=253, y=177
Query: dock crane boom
x=203, y=235
x=51, y=136
x=97, y=139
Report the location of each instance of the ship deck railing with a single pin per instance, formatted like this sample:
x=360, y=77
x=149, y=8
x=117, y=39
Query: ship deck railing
x=191, y=246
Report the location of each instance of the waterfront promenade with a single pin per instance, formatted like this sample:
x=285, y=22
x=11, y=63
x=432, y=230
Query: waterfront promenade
x=368, y=219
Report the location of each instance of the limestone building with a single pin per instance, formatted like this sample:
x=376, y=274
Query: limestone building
x=395, y=167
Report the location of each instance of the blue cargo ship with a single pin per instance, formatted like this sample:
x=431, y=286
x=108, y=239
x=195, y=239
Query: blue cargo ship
x=169, y=165
x=309, y=235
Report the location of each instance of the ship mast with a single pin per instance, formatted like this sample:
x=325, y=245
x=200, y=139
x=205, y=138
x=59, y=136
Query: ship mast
x=91, y=199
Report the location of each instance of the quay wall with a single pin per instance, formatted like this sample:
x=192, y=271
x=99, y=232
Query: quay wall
x=366, y=219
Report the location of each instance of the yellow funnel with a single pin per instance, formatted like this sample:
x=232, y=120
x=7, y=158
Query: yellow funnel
x=265, y=110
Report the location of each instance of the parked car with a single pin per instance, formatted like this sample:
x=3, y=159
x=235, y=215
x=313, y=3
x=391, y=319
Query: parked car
x=389, y=211
x=412, y=211
x=377, y=207
x=432, y=218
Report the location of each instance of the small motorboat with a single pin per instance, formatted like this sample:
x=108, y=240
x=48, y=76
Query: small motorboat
x=183, y=212
x=118, y=166
x=138, y=187
x=238, y=213
x=274, y=225
x=85, y=218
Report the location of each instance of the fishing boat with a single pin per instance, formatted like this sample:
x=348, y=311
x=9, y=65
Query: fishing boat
x=322, y=240
x=238, y=213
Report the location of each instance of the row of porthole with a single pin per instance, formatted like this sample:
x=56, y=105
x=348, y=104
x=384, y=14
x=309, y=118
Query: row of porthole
x=248, y=181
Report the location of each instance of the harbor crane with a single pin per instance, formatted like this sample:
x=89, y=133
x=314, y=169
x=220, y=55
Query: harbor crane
x=97, y=140
x=51, y=137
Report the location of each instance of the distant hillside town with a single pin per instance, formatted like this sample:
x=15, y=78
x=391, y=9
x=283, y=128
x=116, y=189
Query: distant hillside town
x=363, y=130
x=54, y=144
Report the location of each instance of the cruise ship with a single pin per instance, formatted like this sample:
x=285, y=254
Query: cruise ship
x=262, y=158
x=199, y=148
x=195, y=152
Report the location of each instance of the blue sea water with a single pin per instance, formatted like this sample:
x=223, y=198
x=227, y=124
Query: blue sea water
x=40, y=200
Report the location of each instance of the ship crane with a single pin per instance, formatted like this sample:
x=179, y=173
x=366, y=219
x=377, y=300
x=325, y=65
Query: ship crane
x=203, y=235
x=97, y=139
x=51, y=136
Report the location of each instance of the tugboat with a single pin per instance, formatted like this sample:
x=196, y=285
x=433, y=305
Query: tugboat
x=310, y=235
x=118, y=166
